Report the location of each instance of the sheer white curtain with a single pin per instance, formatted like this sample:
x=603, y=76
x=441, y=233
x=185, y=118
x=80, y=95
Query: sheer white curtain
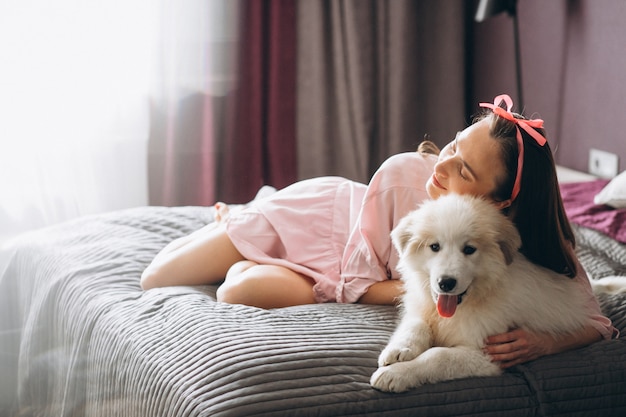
x=195, y=71
x=76, y=80
x=73, y=103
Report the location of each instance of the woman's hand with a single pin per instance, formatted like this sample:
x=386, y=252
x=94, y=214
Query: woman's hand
x=521, y=345
x=518, y=346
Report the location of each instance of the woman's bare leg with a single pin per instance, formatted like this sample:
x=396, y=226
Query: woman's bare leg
x=265, y=286
x=203, y=257
x=207, y=256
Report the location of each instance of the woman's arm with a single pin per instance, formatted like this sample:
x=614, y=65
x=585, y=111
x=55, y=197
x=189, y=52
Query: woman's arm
x=369, y=258
x=521, y=345
x=383, y=293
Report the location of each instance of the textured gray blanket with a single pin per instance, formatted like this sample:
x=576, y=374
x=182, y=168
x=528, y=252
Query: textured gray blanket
x=80, y=338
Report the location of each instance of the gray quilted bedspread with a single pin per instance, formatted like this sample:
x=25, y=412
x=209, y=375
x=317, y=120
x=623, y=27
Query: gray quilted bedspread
x=80, y=338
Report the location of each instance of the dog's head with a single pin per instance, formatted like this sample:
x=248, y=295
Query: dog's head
x=455, y=247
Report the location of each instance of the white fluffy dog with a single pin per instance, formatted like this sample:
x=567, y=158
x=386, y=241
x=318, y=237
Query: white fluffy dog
x=464, y=281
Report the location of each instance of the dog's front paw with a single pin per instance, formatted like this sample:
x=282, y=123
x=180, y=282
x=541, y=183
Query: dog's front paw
x=395, y=353
x=393, y=378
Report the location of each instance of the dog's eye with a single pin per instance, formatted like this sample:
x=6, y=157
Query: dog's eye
x=468, y=250
x=435, y=247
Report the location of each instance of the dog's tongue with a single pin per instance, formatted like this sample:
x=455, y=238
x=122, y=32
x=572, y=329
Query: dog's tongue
x=446, y=305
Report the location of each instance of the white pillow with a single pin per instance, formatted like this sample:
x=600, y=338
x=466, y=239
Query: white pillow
x=614, y=193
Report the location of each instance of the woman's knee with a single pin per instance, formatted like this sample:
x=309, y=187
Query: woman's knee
x=265, y=286
x=231, y=294
x=237, y=286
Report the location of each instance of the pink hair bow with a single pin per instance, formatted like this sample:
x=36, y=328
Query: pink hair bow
x=529, y=127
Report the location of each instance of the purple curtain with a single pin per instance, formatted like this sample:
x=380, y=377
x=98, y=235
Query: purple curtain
x=260, y=147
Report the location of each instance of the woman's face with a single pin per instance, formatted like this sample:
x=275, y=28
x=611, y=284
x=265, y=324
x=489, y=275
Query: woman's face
x=470, y=164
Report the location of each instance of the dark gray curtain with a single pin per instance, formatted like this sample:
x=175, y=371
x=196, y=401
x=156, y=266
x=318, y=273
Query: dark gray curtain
x=375, y=77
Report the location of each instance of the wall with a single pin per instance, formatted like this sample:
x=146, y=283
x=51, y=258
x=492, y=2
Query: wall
x=573, y=69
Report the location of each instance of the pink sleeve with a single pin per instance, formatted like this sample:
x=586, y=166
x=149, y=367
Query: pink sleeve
x=396, y=188
x=598, y=320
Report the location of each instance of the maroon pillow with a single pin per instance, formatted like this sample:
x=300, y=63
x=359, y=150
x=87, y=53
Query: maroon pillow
x=581, y=210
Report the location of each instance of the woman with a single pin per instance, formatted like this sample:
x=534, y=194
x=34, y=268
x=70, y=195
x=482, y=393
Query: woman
x=327, y=239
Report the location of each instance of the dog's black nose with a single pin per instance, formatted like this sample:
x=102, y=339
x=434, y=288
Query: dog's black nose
x=447, y=283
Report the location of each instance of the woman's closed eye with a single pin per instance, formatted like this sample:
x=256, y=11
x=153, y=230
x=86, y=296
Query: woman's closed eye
x=451, y=151
x=464, y=176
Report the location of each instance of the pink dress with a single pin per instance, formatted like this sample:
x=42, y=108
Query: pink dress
x=336, y=231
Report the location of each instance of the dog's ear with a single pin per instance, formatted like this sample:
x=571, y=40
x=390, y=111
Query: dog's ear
x=508, y=239
x=507, y=251
x=401, y=235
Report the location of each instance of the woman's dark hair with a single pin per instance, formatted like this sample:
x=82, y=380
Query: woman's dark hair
x=538, y=212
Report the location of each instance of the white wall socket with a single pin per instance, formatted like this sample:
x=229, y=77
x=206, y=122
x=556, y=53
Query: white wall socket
x=603, y=164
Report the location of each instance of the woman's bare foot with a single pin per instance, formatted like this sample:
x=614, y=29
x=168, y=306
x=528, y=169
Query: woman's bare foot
x=221, y=212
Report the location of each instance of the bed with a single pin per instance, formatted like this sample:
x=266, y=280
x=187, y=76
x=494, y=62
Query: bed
x=80, y=338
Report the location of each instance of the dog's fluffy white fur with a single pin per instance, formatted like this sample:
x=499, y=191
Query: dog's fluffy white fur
x=461, y=248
